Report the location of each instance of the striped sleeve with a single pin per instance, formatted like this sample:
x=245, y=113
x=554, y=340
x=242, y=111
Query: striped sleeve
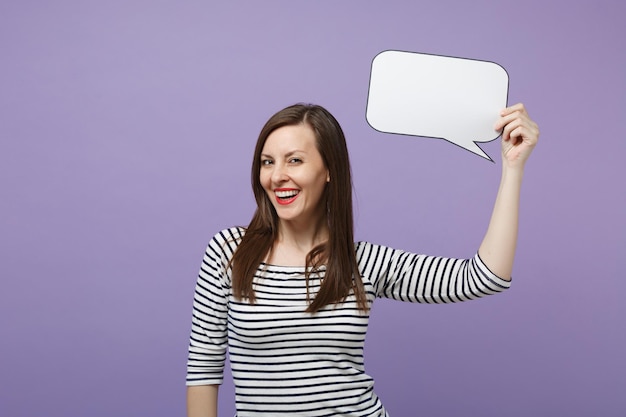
x=405, y=276
x=208, y=339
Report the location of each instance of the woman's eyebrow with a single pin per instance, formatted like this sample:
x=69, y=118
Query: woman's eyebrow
x=287, y=155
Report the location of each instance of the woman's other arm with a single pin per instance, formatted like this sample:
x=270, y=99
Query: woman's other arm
x=202, y=401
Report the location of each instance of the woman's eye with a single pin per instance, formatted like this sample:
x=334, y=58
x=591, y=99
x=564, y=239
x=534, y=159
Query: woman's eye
x=266, y=161
x=295, y=160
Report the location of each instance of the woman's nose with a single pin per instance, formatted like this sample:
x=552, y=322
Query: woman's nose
x=279, y=174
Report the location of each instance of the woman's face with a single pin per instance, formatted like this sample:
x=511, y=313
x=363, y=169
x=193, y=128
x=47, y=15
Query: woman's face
x=293, y=174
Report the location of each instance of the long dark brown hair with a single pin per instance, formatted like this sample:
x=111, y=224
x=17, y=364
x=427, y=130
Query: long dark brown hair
x=338, y=253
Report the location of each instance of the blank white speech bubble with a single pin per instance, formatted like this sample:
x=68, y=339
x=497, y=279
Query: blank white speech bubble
x=435, y=96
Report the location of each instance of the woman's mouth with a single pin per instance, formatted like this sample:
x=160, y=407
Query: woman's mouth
x=285, y=197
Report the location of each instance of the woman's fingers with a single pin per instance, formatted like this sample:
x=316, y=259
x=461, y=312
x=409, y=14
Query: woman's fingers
x=519, y=132
x=512, y=119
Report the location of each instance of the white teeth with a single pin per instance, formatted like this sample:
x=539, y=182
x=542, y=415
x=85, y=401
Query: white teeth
x=286, y=194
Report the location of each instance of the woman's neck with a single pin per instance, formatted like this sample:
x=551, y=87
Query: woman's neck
x=294, y=243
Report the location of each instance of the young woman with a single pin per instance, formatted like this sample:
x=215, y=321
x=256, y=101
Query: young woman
x=289, y=295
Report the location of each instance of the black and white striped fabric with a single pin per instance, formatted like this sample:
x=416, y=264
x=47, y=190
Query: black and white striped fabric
x=288, y=362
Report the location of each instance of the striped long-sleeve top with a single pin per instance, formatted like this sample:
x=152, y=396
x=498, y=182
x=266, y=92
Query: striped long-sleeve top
x=288, y=362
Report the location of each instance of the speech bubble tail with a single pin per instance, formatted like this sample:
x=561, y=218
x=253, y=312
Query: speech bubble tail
x=474, y=148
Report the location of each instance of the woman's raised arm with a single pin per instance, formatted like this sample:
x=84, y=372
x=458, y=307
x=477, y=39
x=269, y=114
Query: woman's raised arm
x=519, y=137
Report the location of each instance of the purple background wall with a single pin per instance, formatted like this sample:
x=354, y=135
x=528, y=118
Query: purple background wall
x=126, y=133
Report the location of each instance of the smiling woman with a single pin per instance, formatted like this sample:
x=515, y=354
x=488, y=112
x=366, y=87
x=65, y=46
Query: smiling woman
x=294, y=177
x=301, y=149
x=289, y=296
